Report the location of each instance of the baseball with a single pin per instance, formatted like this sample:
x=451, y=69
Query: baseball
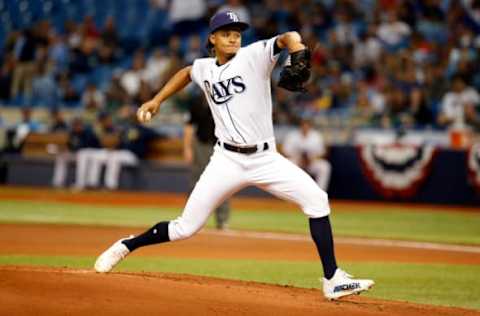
x=147, y=116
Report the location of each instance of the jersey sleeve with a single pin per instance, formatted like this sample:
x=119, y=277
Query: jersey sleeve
x=195, y=72
x=263, y=54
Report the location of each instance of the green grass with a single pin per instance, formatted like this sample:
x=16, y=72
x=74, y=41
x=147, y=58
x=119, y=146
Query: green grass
x=439, y=284
x=450, y=285
x=65, y=213
x=420, y=225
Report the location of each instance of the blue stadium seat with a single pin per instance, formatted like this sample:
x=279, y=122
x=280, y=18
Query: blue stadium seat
x=125, y=62
x=36, y=7
x=79, y=82
x=101, y=76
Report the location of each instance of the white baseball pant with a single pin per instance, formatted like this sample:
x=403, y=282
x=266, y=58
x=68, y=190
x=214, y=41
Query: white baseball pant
x=321, y=170
x=84, y=163
x=228, y=172
x=98, y=159
x=116, y=159
x=60, y=168
x=82, y=158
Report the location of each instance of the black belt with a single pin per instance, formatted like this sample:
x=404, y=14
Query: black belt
x=243, y=150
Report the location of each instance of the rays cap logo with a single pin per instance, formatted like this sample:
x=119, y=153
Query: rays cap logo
x=223, y=19
x=226, y=18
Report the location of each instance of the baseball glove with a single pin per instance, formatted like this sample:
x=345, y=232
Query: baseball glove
x=294, y=76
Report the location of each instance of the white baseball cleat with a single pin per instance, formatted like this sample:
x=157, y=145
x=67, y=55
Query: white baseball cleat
x=342, y=284
x=112, y=256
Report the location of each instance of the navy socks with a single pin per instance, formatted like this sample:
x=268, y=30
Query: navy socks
x=155, y=235
x=321, y=232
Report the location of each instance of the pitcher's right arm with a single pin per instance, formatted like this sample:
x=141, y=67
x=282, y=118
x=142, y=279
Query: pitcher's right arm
x=175, y=84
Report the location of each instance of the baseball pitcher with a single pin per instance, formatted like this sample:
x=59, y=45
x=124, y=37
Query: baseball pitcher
x=236, y=84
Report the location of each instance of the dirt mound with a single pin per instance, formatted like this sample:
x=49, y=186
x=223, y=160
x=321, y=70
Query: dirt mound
x=49, y=291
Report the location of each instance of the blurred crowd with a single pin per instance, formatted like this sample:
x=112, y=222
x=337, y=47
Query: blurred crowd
x=410, y=64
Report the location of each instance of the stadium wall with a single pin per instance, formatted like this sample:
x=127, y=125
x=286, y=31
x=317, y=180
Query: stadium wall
x=447, y=183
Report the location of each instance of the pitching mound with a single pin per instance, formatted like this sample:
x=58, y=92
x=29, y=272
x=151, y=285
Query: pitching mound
x=49, y=291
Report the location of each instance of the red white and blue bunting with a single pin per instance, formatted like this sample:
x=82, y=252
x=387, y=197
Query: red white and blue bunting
x=396, y=170
x=474, y=165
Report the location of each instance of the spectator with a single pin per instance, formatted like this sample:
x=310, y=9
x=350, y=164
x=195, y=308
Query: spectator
x=42, y=31
x=363, y=110
x=459, y=105
x=175, y=47
x=81, y=141
x=306, y=148
x=156, y=22
x=67, y=93
x=109, y=34
x=344, y=31
x=93, y=99
x=73, y=33
x=28, y=121
x=187, y=17
x=25, y=49
x=26, y=126
x=58, y=122
x=194, y=49
x=108, y=135
x=89, y=27
x=396, y=114
x=131, y=79
x=435, y=83
x=45, y=90
x=84, y=58
x=431, y=24
x=393, y=33
x=132, y=147
x=115, y=95
x=58, y=52
x=282, y=111
x=368, y=49
x=106, y=55
x=10, y=145
x=421, y=113
x=157, y=65
x=414, y=46
x=109, y=42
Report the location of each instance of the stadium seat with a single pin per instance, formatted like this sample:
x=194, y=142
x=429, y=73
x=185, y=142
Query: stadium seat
x=79, y=82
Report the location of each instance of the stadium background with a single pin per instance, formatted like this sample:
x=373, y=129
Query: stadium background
x=382, y=71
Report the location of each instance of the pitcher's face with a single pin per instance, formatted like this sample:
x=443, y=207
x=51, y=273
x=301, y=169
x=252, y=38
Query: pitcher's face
x=226, y=41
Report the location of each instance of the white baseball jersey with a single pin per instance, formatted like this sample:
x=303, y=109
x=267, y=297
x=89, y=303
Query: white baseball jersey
x=239, y=96
x=239, y=93
x=453, y=104
x=296, y=144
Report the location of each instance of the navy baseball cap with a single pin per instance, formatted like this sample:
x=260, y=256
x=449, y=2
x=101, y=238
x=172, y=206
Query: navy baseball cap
x=226, y=18
x=222, y=19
